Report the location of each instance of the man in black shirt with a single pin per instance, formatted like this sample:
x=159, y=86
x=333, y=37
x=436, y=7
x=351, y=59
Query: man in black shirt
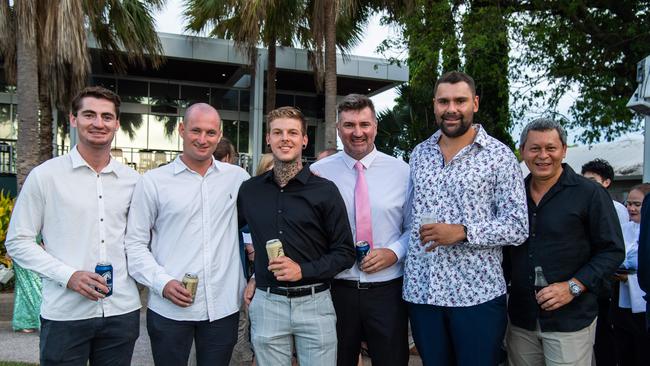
x=576, y=239
x=289, y=296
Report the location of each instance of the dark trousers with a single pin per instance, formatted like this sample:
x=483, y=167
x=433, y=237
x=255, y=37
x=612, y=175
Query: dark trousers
x=604, y=349
x=171, y=340
x=102, y=341
x=464, y=336
x=632, y=340
x=375, y=315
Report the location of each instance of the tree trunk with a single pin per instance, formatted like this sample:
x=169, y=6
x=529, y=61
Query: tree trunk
x=45, y=132
x=270, y=77
x=330, y=74
x=26, y=89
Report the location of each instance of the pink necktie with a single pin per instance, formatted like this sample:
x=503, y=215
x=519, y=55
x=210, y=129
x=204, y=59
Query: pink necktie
x=363, y=217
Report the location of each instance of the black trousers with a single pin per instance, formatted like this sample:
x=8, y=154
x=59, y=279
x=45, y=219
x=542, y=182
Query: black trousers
x=604, y=346
x=376, y=315
x=632, y=340
x=102, y=341
x=171, y=340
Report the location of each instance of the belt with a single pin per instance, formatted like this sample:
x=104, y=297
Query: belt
x=296, y=292
x=366, y=285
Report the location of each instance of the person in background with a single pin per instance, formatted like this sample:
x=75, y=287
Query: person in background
x=574, y=242
x=601, y=172
x=644, y=255
x=265, y=164
x=325, y=153
x=78, y=203
x=628, y=314
x=225, y=151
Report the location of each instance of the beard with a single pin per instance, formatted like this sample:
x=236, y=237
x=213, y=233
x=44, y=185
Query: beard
x=463, y=126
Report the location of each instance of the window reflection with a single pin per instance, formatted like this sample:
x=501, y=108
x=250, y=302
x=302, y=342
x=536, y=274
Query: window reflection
x=132, y=91
x=163, y=133
x=224, y=99
x=8, y=126
x=194, y=94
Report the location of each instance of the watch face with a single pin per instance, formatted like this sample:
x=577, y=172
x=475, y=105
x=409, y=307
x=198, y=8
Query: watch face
x=574, y=289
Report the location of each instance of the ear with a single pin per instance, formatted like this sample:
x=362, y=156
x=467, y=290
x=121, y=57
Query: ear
x=607, y=182
x=73, y=120
x=268, y=139
x=305, y=140
x=475, y=103
x=181, y=128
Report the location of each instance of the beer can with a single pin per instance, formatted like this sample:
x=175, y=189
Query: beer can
x=105, y=269
x=191, y=283
x=362, y=248
x=274, y=249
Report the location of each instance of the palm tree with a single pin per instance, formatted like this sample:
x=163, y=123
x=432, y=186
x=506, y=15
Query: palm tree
x=50, y=47
x=249, y=24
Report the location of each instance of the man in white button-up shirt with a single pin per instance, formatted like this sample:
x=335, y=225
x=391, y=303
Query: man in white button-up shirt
x=79, y=202
x=187, y=211
x=368, y=296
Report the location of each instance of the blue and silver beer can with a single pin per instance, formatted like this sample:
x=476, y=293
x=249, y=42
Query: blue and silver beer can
x=105, y=269
x=362, y=248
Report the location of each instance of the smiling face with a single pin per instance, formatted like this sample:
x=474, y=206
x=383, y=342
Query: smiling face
x=543, y=153
x=357, y=130
x=201, y=132
x=454, y=106
x=286, y=139
x=96, y=122
x=634, y=203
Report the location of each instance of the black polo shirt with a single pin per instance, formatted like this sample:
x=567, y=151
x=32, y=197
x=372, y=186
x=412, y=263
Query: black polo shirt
x=308, y=216
x=573, y=232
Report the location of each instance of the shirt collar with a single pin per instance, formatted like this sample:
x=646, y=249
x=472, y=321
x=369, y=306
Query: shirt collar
x=481, y=138
x=366, y=161
x=79, y=161
x=180, y=166
x=302, y=176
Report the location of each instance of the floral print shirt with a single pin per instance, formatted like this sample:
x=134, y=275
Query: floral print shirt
x=482, y=187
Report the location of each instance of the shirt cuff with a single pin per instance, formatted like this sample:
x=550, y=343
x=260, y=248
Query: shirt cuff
x=160, y=282
x=399, y=251
x=63, y=274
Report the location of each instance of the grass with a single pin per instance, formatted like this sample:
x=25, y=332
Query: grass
x=11, y=363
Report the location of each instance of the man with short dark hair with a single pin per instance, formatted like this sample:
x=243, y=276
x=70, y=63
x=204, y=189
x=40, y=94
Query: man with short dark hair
x=289, y=296
x=78, y=203
x=575, y=242
x=363, y=293
x=467, y=202
x=601, y=172
x=186, y=213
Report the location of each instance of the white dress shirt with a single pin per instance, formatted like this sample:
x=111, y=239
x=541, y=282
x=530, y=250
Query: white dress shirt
x=82, y=217
x=630, y=294
x=621, y=212
x=387, y=179
x=191, y=222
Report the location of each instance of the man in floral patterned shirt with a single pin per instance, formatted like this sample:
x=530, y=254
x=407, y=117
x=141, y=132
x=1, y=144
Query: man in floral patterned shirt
x=467, y=201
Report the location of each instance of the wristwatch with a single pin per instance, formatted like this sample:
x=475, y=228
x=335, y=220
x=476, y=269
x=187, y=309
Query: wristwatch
x=574, y=288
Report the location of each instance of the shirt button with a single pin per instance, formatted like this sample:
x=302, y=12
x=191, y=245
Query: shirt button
x=530, y=256
x=102, y=240
x=280, y=232
x=530, y=277
x=282, y=190
x=535, y=214
x=97, y=175
x=533, y=235
x=100, y=197
x=279, y=211
x=101, y=220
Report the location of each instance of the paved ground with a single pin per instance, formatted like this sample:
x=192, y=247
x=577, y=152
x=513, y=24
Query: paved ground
x=24, y=347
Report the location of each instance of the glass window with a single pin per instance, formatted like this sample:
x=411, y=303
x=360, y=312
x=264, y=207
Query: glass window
x=194, y=94
x=108, y=83
x=224, y=99
x=132, y=91
x=8, y=127
x=230, y=130
x=244, y=101
x=243, y=137
x=310, y=150
x=311, y=106
x=163, y=132
x=283, y=100
x=133, y=130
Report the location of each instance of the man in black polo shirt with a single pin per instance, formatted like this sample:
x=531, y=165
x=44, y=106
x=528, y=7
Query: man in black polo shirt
x=576, y=239
x=289, y=296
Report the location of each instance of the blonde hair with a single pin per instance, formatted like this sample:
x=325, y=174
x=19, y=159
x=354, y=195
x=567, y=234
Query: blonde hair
x=287, y=112
x=266, y=164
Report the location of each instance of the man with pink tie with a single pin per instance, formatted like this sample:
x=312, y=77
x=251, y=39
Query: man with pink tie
x=368, y=297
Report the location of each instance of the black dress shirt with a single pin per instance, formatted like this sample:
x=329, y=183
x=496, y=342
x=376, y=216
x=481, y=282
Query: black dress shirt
x=308, y=216
x=574, y=232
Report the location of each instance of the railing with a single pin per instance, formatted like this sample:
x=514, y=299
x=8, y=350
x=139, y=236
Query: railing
x=7, y=156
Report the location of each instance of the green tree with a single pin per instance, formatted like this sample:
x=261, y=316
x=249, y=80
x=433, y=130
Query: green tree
x=590, y=47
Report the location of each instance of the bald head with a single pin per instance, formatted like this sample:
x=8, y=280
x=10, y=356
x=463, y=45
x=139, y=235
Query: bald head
x=203, y=110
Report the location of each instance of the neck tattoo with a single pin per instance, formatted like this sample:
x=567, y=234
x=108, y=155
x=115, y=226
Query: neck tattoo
x=283, y=171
